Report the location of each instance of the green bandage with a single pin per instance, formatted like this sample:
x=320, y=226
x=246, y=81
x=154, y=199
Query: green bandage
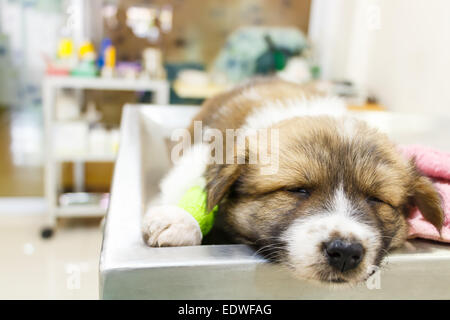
x=194, y=202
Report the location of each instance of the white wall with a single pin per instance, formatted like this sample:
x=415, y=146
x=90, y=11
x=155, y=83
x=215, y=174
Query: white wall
x=398, y=49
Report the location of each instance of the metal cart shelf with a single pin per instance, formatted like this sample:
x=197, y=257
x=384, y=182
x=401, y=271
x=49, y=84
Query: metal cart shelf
x=51, y=84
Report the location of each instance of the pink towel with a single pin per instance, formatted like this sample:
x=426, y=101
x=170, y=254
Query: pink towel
x=436, y=165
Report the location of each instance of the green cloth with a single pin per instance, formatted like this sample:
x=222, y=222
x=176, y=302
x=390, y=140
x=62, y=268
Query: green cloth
x=194, y=202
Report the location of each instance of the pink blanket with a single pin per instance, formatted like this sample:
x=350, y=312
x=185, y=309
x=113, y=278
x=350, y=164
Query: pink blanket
x=436, y=165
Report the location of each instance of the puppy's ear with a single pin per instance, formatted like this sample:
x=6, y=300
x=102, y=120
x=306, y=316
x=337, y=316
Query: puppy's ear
x=428, y=200
x=220, y=178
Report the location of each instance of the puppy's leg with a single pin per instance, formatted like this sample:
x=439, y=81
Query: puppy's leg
x=166, y=224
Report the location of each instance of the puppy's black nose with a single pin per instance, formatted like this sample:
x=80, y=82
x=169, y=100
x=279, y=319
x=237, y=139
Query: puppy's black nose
x=344, y=255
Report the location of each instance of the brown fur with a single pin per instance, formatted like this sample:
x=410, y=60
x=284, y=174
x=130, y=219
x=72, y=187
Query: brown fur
x=316, y=154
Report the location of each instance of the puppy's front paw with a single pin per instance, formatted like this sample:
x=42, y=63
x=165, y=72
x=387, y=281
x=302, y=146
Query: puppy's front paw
x=170, y=226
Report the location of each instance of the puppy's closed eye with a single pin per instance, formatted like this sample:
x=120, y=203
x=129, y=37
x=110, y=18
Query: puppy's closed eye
x=375, y=200
x=299, y=191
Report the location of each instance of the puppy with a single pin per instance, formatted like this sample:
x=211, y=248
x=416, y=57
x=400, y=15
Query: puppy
x=335, y=203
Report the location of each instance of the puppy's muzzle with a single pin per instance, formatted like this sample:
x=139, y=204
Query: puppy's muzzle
x=343, y=255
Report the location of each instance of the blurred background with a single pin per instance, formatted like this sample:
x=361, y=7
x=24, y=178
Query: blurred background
x=67, y=68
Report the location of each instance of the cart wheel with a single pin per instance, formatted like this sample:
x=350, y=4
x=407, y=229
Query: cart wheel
x=46, y=233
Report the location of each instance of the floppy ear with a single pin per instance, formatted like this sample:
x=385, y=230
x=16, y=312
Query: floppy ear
x=428, y=200
x=220, y=178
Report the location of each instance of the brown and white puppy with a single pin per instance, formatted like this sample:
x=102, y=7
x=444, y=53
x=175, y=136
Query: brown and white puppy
x=335, y=205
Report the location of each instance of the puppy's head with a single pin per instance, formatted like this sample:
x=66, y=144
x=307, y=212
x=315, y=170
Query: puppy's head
x=336, y=205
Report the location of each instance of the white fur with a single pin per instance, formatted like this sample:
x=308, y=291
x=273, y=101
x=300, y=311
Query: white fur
x=186, y=173
x=251, y=94
x=279, y=110
x=349, y=127
x=306, y=235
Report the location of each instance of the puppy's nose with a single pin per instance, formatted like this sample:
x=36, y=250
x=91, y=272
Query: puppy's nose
x=344, y=255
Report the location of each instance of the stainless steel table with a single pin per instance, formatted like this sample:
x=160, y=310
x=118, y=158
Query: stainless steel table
x=131, y=270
